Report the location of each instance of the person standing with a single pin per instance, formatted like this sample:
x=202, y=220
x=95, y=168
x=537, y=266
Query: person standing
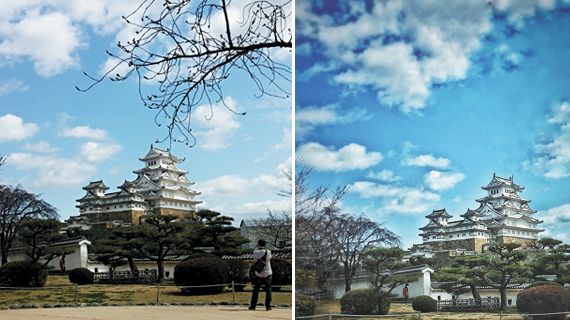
x=264, y=277
x=406, y=292
x=62, y=263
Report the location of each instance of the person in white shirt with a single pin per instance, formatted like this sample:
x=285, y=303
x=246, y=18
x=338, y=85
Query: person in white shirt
x=264, y=277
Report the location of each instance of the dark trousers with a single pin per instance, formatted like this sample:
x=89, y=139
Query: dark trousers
x=257, y=285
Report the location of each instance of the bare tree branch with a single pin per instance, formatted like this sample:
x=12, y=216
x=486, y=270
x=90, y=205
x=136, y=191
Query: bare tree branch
x=17, y=206
x=183, y=51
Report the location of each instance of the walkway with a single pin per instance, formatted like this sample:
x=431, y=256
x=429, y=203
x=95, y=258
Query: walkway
x=147, y=313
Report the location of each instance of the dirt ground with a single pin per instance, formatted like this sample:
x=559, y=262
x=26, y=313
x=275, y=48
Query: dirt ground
x=147, y=313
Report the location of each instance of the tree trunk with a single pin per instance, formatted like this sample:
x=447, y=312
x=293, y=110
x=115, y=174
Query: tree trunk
x=475, y=292
x=503, y=291
x=4, y=248
x=132, y=264
x=347, y=278
x=160, y=265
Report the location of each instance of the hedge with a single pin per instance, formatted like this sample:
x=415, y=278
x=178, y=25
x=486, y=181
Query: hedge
x=365, y=301
x=203, y=271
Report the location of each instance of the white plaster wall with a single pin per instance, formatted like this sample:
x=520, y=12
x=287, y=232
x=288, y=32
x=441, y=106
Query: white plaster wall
x=418, y=285
x=76, y=259
x=337, y=285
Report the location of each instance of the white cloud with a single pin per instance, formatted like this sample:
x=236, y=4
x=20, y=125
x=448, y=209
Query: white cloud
x=350, y=157
x=12, y=85
x=216, y=126
x=437, y=180
x=402, y=82
x=384, y=175
x=393, y=199
x=273, y=205
x=427, y=160
x=561, y=114
x=40, y=147
x=52, y=171
x=552, y=158
x=51, y=33
x=48, y=39
x=287, y=140
x=99, y=151
x=311, y=117
x=236, y=194
x=400, y=48
x=556, y=222
x=518, y=10
x=84, y=132
x=14, y=128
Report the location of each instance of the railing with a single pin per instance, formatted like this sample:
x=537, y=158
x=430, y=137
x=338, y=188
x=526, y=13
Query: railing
x=488, y=304
x=126, y=277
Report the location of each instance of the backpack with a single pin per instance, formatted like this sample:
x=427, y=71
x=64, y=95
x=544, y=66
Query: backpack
x=259, y=264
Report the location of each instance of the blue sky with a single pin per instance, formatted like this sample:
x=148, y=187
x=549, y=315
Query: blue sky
x=57, y=139
x=415, y=105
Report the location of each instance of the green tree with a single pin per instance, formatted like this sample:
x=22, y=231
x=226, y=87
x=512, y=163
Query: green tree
x=39, y=237
x=17, y=206
x=216, y=230
x=155, y=239
x=548, y=243
x=552, y=258
x=381, y=263
x=500, y=266
x=436, y=262
x=457, y=276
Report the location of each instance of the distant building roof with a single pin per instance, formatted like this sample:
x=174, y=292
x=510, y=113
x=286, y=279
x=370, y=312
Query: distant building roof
x=438, y=213
x=413, y=269
x=95, y=185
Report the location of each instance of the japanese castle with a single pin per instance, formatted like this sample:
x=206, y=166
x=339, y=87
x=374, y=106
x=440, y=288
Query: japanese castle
x=503, y=216
x=160, y=188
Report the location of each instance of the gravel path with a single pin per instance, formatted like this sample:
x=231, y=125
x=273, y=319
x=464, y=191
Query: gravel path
x=147, y=313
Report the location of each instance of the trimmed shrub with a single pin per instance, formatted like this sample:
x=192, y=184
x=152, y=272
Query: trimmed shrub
x=365, y=301
x=544, y=283
x=81, y=276
x=21, y=274
x=424, y=304
x=282, y=273
x=304, y=305
x=237, y=272
x=543, y=299
x=201, y=272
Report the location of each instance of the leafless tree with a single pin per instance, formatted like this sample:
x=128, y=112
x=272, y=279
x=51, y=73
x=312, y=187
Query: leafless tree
x=355, y=236
x=187, y=49
x=315, y=214
x=329, y=241
x=276, y=229
x=17, y=206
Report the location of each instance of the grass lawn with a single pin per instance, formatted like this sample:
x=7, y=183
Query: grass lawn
x=59, y=290
x=397, y=309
